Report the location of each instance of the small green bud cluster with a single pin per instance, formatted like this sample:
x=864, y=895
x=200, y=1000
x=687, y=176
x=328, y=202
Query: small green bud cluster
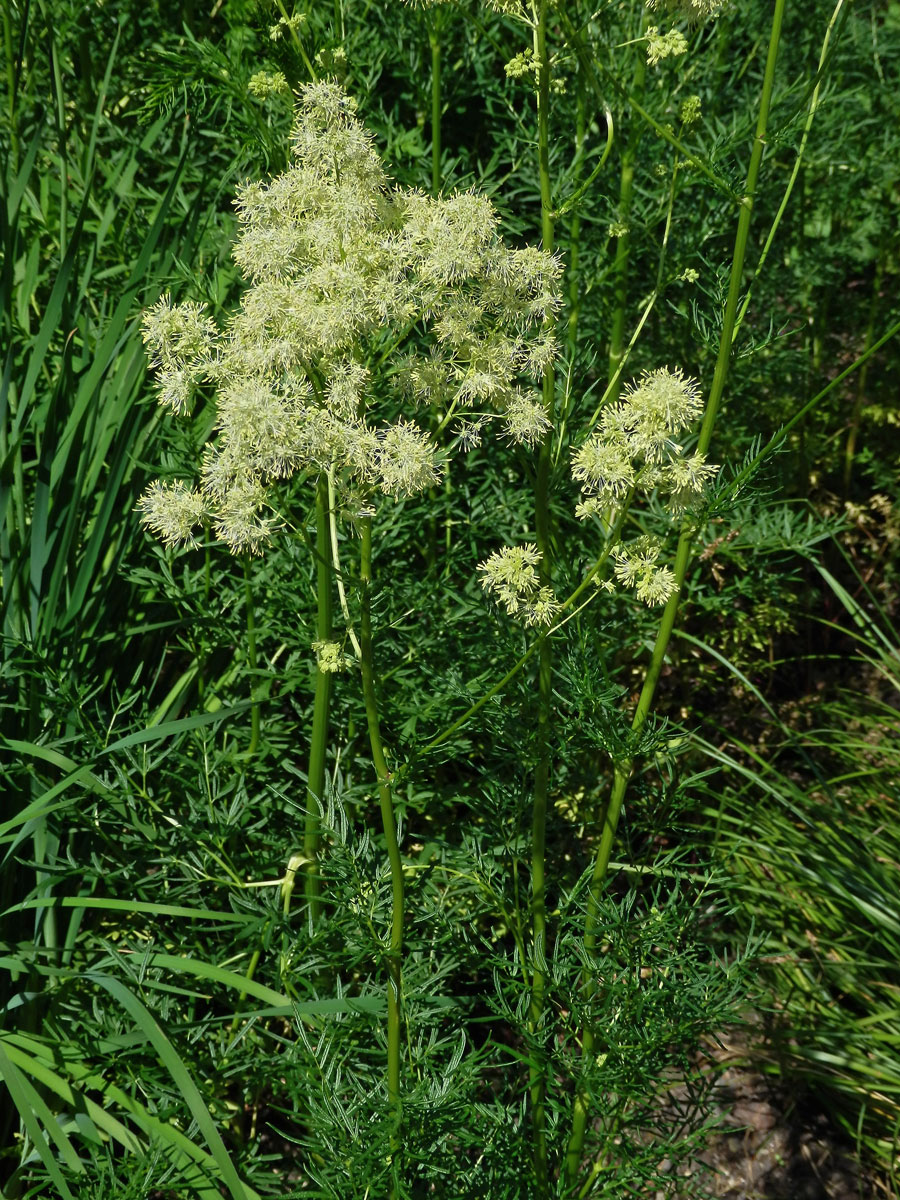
x=634, y=451
x=524, y=63
x=510, y=576
x=329, y=657
x=664, y=45
x=690, y=111
x=361, y=295
x=264, y=84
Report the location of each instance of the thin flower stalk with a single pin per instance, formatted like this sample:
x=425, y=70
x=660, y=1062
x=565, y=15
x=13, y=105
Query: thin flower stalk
x=434, y=41
x=623, y=768
x=389, y=823
x=591, y=577
x=318, y=750
x=795, y=170
x=593, y=67
x=537, y=1069
x=622, y=228
x=575, y=220
x=251, y=661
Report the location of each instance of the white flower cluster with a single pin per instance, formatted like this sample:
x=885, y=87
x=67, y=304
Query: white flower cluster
x=637, y=566
x=691, y=10
x=510, y=575
x=362, y=298
x=634, y=447
x=635, y=451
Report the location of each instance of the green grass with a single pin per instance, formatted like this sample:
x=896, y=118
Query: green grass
x=806, y=832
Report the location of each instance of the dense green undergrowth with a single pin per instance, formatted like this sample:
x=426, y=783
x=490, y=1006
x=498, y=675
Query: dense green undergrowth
x=455, y=919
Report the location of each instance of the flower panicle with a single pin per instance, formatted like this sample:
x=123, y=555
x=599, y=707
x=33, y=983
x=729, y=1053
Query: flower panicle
x=357, y=292
x=635, y=446
x=637, y=566
x=634, y=451
x=511, y=576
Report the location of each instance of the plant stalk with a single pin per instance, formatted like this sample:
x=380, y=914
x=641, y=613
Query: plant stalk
x=623, y=240
x=315, y=787
x=251, y=661
x=537, y=1068
x=575, y=221
x=622, y=770
x=385, y=798
x=434, y=40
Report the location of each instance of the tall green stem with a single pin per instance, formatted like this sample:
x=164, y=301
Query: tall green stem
x=623, y=768
x=795, y=171
x=251, y=661
x=434, y=39
x=537, y=1070
x=315, y=787
x=575, y=222
x=386, y=802
x=623, y=241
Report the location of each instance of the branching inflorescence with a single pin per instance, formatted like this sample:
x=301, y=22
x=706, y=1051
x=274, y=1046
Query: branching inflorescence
x=363, y=299
x=634, y=451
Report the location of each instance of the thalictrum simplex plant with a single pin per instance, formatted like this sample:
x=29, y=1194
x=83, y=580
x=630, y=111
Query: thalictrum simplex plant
x=329, y=316
x=418, y=1001
x=343, y=272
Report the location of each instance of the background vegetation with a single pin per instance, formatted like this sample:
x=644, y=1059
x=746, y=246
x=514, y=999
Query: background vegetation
x=174, y=1020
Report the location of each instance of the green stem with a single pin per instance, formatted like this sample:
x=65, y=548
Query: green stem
x=251, y=661
x=435, y=42
x=575, y=222
x=575, y=199
x=389, y=823
x=612, y=386
x=622, y=769
x=498, y=687
x=537, y=1069
x=336, y=565
x=782, y=207
x=623, y=241
x=592, y=67
x=315, y=787
x=295, y=38
x=664, y=246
